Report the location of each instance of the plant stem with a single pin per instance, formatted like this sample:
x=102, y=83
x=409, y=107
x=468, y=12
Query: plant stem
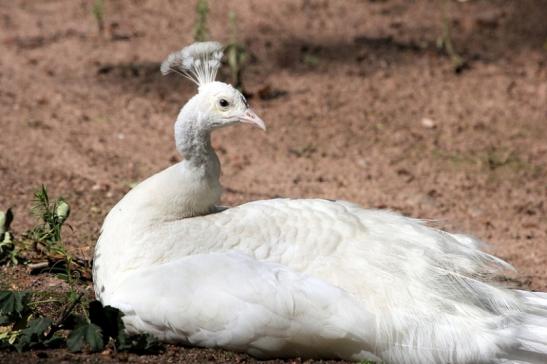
x=457, y=61
x=57, y=325
x=35, y=303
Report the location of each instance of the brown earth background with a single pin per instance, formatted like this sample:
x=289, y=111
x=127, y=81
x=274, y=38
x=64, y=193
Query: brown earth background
x=359, y=103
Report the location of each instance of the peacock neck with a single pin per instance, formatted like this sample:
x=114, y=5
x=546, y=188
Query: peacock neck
x=200, y=167
x=194, y=144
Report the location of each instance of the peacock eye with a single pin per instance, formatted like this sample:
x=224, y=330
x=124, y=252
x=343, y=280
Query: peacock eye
x=223, y=103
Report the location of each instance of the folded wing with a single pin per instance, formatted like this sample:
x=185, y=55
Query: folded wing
x=233, y=301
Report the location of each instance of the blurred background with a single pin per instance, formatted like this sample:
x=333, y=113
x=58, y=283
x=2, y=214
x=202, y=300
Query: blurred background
x=437, y=109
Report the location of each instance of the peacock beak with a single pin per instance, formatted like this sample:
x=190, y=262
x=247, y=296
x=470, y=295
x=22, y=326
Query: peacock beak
x=251, y=118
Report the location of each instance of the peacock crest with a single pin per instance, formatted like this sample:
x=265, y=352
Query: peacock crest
x=199, y=62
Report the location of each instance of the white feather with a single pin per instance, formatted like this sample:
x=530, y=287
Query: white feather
x=227, y=299
x=199, y=62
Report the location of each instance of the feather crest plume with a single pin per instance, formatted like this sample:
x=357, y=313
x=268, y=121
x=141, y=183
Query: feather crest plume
x=199, y=62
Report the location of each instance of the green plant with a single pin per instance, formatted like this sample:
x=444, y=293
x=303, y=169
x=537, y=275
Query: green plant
x=305, y=151
x=43, y=241
x=98, y=13
x=13, y=306
x=445, y=41
x=22, y=327
x=46, y=239
x=236, y=54
x=201, y=33
x=53, y=215
x=310, y=59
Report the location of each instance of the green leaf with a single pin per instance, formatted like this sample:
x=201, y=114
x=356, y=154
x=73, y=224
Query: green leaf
x=73, y=321
x=56, y=341
x=33, y=334
x=4, y=344
x=8, y=336
x=87, y=333
x=109, y=319
x=37, y=327
x=12, y=305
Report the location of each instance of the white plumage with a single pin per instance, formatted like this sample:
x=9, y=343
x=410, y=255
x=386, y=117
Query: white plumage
x=198, y=62
x=311, y=278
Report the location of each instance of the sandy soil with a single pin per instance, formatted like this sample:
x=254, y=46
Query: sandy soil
x=369, y=111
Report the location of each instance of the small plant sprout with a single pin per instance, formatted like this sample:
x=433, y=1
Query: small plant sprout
x=53, y=216
x=201, y=33
x=310, y=60
x=98, y=13
x=236, y=53
x=42, y=247
x=445, y=40
x=46, y=239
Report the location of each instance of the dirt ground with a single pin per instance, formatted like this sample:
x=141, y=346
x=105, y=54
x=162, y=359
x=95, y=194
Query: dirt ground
x=359, y=103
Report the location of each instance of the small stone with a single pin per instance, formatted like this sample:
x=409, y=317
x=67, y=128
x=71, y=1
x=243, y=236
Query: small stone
x=428, y=123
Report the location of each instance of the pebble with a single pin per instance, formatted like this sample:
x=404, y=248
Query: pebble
x=428, y=123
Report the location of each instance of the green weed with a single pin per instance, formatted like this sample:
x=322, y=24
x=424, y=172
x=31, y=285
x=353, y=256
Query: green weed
x=445, y=41
x=236, y=53
x=492, y=159
x=201, y=32
x=310, y=60
x=98, y=13
x=42, y=247
x=53, y=215
x=23, y=327
x=305, y=151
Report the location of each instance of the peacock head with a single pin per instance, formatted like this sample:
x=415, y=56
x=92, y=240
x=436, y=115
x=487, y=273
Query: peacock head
x=217, y=104
x=222, y=105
